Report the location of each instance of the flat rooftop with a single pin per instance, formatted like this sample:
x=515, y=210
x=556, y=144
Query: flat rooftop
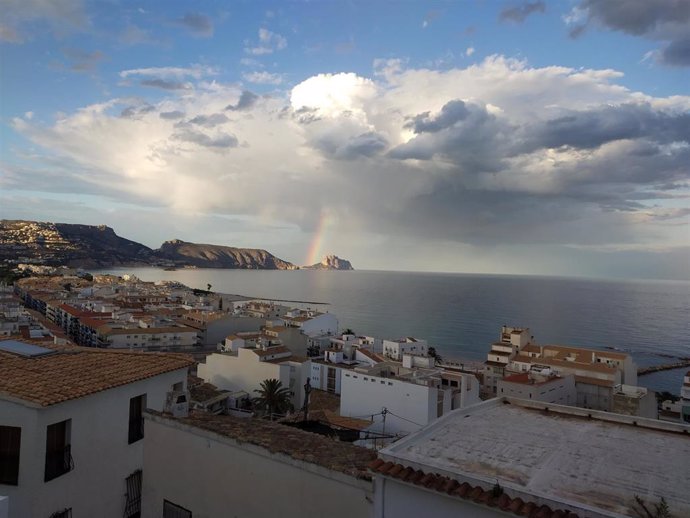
x=560, y=455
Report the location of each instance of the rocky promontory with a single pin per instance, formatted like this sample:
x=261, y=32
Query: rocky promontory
x=330, y=262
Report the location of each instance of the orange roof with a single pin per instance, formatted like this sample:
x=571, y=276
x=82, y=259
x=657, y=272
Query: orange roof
x=74, y=372
x=453, y=488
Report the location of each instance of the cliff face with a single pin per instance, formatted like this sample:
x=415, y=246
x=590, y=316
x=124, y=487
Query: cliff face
x=88, y=246
x=331, y=262
x=216, y=256
x=72, y=245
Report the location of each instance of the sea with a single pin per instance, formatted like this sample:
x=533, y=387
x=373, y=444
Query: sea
x=462, y=314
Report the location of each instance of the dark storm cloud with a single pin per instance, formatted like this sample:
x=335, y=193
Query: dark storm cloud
x=197, y=23
x=637, y=17
x=246, y=101
x=519, y=13
x=676, y=53
x=593, y=128
x=165, y=84
x=221, y=141
x=364, y=145
x=660, y=20
x=463, y=133
x=452, y=112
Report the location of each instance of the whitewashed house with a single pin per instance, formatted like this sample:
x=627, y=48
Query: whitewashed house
x=71, y=424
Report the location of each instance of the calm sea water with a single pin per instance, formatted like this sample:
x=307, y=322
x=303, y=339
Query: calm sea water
x=462, y=314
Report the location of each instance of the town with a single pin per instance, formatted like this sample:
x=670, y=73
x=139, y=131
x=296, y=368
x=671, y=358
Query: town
x=120, y=397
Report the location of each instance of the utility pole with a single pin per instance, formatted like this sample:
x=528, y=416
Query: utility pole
x=383, y=431
x=307, y=391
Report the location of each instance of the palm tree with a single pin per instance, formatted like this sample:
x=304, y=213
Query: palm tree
x=437, y=357
x=273, y=398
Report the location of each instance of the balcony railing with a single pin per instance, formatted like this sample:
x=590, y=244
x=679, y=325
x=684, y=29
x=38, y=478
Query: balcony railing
x=58, y=462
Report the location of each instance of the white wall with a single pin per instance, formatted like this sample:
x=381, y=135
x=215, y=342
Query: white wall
x=322, y=324
x=399, y=500
x=242, y=372
x=363, y=394
x=99, y=441
x=214, y=477
x=560, y=391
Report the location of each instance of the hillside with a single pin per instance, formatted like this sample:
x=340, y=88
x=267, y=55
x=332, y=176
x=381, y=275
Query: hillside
x=89, y=246
x=217, y=256
x=55, y=244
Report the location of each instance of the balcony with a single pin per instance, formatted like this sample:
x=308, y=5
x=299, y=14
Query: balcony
x=58, y=462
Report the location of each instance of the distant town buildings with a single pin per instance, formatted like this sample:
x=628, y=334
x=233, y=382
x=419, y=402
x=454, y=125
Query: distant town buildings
x=604, y=380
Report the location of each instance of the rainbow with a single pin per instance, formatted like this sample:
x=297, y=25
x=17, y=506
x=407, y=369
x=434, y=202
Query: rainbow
x=314, y=252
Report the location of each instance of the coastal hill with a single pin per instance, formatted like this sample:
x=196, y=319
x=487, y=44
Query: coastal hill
x=216, y=256
x=90, y=246
x=330, y=262
x=53, y=244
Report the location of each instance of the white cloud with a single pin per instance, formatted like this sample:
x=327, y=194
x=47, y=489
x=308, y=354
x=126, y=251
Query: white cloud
x=262, y=78
x=269, y=42
x=195, y=71
x=469, y=51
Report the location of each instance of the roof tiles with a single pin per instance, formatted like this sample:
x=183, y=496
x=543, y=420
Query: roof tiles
x=74, y=372
x=477, y=494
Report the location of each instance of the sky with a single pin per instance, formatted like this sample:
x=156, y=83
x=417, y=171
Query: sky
x=516, y=137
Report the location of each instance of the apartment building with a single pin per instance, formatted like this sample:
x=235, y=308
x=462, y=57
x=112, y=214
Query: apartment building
x=71, y=426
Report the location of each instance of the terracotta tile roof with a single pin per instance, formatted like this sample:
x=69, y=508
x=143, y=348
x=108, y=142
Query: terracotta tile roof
x=74, y=372
x=277, y=438
x=477, y=494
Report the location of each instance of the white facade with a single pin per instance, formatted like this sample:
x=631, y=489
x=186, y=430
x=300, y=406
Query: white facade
x=559, y=390
x=409, y=405
x=246, y=370
x=98, y=436
x=395, y=349
x=215, y=476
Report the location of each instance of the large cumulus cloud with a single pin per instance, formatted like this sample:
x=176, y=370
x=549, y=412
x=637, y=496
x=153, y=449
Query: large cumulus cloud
x=495, y=153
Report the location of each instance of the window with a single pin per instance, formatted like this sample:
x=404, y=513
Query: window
x=171, y=510
x=10, y=440
x=58, y=450
x=133, y=496
x=136, y=418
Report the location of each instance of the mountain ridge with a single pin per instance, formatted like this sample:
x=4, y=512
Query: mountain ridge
x=93, y=246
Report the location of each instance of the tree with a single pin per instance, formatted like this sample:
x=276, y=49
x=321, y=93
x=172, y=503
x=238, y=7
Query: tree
x=660, y=510
x=273, y=398
x=208, y=287
x=348, y=331
x=437, y=357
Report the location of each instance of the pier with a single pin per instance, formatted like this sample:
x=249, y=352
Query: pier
x=683, y=362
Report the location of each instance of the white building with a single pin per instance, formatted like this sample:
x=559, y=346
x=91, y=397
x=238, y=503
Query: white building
x=539, y=386
x=508, y=457
x=312, y=322
x=412, y=397
x=217, y=466
x=248, y=367
x=71, y=423
x=394, y=349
